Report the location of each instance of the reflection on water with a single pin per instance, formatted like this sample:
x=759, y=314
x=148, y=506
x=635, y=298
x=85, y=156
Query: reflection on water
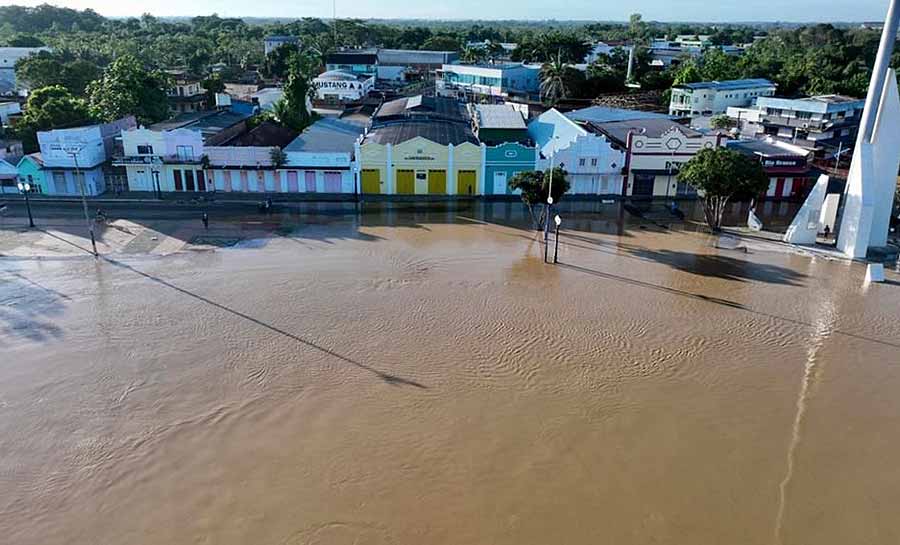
x=419, y=375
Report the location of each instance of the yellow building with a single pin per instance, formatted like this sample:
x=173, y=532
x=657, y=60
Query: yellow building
x=421, y=146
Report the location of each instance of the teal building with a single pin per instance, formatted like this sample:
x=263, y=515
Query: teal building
x=503, y=161
x=508, y=148
x=31, y=171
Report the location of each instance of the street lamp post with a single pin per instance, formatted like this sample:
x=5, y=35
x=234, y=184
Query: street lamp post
x=25, y=188
x=549, y=198
x=558, y=221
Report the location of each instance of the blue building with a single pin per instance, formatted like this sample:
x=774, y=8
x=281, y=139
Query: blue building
x=488, y=80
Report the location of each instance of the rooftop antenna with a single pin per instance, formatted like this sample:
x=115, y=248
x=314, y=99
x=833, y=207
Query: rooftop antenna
x=334, y=21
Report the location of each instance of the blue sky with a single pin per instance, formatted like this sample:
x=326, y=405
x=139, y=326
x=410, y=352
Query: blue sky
x=663, y=10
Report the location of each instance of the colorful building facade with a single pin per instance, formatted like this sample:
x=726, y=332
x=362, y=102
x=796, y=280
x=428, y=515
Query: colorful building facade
x=421, y=167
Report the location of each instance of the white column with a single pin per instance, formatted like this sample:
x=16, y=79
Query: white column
x=451, y=171
x=389, y=173
x=480, y=185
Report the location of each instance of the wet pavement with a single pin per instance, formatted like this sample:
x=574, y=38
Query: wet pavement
x=418, y=375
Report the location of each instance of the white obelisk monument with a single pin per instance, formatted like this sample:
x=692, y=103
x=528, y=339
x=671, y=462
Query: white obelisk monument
x=873, y=172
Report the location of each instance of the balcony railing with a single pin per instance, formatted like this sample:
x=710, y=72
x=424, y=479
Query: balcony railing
x=156, y=160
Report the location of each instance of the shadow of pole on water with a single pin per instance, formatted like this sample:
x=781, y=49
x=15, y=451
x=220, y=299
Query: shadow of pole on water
x=721, y=302
x=388, y=378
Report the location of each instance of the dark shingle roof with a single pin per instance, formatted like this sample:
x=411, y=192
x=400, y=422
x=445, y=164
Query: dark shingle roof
x=266, y=134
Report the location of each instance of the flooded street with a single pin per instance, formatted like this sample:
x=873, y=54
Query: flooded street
x=423, y=378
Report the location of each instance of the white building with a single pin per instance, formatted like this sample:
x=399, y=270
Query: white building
x=710, y=98
x=163, y=160
x=8, y=109
x=249, y=161
x=605, y=48
x=495, y=80
x=75, y=158
x=271, y=43
x=594, y=166
x=654, y=150
x=342, y=86
x=321, y=159
x=8, y=58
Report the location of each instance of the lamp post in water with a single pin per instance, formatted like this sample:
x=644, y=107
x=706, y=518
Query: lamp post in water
x=558, y=221
x=25, y=189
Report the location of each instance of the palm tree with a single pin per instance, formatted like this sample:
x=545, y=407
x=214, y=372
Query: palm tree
x=554, y=79
x=473, y=54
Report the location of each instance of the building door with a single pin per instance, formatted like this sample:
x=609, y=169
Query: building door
x=370, y=180
x=60, y=186
x=310, y=181
x=245, y=182
x=261, y=181
x=227, y=185
x=189, y=180
x=437, y=182
x=643, y=185
x=332, y=182
x=293, y=183
x=500, y=183
x=406, y=182
x=179, y=186
x=201, y=181
x=465, y=182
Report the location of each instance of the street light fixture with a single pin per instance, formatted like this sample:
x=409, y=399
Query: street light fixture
x=558, y=221
x=25, y=189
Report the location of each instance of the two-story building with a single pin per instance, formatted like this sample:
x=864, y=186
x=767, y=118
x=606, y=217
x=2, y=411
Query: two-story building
x=711, y=98
x=654, y=151
x=509, y=149
x=186, y=95
x=76, y=159
x=791, y=174
x=321, y=158
x=472, y=81
x=357, y=61
x=593, y=165
x=820, y=123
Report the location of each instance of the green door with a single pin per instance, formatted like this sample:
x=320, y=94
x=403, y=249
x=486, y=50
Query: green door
x=406, y=182
x=437, y=182
x=465, y=182
x=371, y=181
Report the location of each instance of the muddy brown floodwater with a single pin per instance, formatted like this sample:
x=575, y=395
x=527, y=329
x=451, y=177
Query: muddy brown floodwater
x=435, y=383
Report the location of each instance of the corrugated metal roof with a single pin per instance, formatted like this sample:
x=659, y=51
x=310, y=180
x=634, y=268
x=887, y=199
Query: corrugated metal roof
x=768, y=148
x=498, y=116
x=438, y=131
x=327, y=135
x=266, y=134
x=403, y=57
x=604, y=114
x=728, y=85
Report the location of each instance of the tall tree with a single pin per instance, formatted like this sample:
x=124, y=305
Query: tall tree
x=720, y=175
x=128, y=88
x=554, y=80
x=50, y=108
x=46, y=69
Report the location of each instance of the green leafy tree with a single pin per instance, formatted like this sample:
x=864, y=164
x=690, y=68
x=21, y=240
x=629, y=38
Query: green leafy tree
x=720, y=175
x=278, y=61
x=722, y=122
x=687, y=72
x=293, y=109
x=534, y=186
x=128, y=88
x=719, y=66
x=441, y=42
x=278, y=157
x=473, y=55
x=46, y=69
x=212, y=85
x=49, y=108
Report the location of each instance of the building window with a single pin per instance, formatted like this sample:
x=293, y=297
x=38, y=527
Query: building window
x=185, y=153
x=145, y=150
x=594, y=162
x=804, y=115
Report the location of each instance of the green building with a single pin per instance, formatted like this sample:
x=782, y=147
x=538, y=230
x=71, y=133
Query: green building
x=31, y=171
x=508, y=147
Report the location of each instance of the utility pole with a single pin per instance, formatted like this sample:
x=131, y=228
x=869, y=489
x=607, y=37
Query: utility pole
x=80, y=180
